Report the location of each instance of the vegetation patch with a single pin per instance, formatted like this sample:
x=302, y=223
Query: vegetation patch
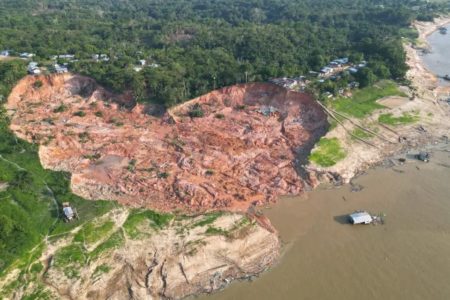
x=216, y=231
x=70, y=259
x=328, y=152
x=61, y=108
x=405, y=118
x=37, y=268
x=30, y=208
x=91, y=232
x=137, y=217
x=362, y=134
x=100, y=270
x=37, y=84
x=241, y=228
x=79, y=113
x=208, y=219
x=363, y=102
x=196, y=111
x=113, y=242
x=163, y=175
x=39, y=292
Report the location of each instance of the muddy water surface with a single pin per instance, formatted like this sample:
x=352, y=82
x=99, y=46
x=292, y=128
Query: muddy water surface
x=325, y=258
x=438, y=61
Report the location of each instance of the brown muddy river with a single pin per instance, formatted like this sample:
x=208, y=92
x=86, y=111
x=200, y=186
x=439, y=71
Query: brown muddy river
x=324, y=258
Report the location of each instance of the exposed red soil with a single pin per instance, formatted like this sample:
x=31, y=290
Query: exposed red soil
x=230, y=158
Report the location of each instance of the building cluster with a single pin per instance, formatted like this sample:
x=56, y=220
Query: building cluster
x=67, y=57
x=26, y=55
x=59, y=69
x=100, y=57
x=61, y=61
x=33, y=68
x=291, y=83
x=341, y=64
x=143, y=63
x=333, y=71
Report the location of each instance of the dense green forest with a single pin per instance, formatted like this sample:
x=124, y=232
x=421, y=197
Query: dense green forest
x=199, y=45
x=192, y=46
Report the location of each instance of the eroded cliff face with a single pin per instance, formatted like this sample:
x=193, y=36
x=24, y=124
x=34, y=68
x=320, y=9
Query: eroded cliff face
x=185, y=257
x=246, y=148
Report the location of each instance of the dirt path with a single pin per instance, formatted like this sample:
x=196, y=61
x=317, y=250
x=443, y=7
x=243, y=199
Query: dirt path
x=12, y=163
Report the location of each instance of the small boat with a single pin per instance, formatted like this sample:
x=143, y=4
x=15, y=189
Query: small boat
x=446, y=77
x=423, y=156
x=443, y=30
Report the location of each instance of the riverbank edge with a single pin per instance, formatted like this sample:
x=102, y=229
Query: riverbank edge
x=424, y=91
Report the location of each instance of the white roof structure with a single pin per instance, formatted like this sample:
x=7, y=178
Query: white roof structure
x=360, y=217
x=68, y=211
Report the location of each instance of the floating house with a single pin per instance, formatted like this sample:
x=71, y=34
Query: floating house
x=360, y=217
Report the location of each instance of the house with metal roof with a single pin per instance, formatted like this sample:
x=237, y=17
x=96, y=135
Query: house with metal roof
x=360, y=217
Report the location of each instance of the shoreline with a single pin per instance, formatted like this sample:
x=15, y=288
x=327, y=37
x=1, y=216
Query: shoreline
x=424, y=102
x=360, y=159
x=389, y=159
x=430, y=27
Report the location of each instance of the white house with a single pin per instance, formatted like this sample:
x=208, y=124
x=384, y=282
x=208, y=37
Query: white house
x=33, y=68
x=60, y=69
x=326, y=70
x=360, y=217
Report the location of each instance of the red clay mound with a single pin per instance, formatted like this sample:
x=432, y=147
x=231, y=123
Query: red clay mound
x=224, y=150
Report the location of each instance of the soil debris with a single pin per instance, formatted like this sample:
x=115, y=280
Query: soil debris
x=216, y=152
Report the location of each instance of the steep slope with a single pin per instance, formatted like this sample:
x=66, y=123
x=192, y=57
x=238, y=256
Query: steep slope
x=228, y=149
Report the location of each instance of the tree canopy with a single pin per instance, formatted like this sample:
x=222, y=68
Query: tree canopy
x=198, y=45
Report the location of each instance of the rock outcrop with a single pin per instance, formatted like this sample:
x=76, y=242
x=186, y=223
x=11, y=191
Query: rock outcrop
x=226, y=150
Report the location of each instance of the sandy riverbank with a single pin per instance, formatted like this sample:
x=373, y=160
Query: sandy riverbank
x=423, y=101
x=427, y=28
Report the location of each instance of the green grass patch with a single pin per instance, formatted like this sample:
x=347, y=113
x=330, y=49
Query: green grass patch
x=208, y=219
x=137, y=217
x=113, y=242
x=363, y=102
x=91, y=232
x=405, y=118
x=328, y=152
x=70, y=259
x=410, y=34
x=39, y=293
x=362, y=134
x=216, y=231
x=100, y=270
x=37, y=268
x=72, y=254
